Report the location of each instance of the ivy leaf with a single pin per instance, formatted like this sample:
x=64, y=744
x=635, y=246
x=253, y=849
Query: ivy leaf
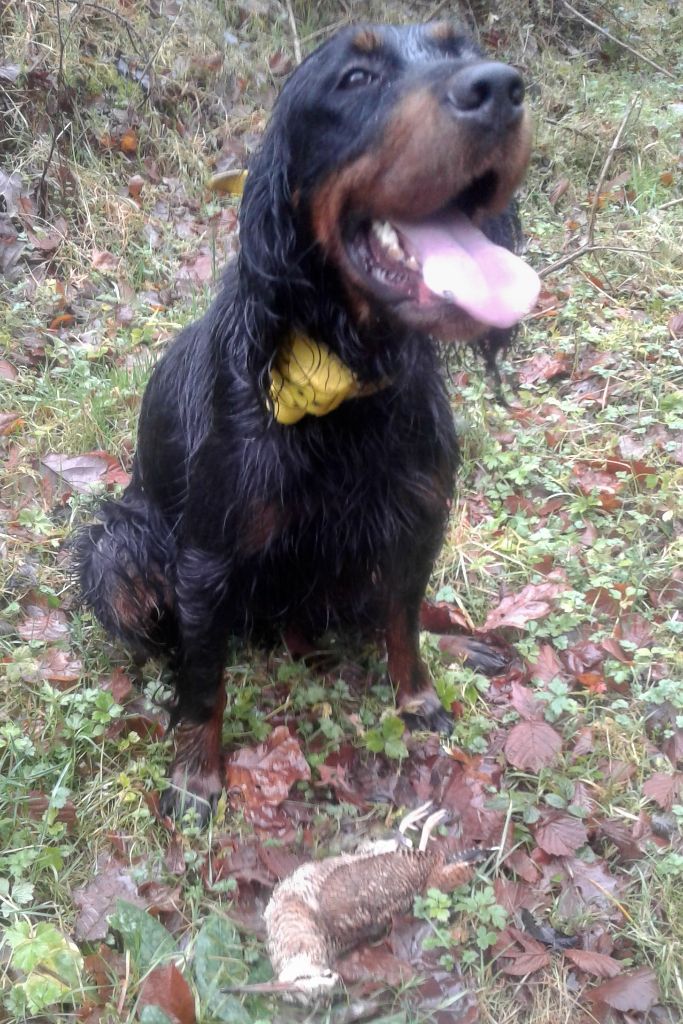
x=217, y=965
x=143, y=936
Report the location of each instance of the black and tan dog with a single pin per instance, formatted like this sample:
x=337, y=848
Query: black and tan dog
x=296, y=450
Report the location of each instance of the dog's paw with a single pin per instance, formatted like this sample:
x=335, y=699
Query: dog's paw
x=191, y=790
x=424, y=711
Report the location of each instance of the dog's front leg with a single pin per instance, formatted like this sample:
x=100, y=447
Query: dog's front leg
x=417, y=699
x=196, y=775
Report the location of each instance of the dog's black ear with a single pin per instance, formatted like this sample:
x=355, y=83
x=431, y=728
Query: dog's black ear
x=270, y=250
x=268, y=236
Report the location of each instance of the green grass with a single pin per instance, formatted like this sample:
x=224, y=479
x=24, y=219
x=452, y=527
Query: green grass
x=77, y=785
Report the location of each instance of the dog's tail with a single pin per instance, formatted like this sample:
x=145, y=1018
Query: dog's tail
x=124, y=565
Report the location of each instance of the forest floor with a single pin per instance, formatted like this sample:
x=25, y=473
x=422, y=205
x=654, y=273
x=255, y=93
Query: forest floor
x=564, y=546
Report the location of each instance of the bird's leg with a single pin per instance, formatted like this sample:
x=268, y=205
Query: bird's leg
x=430, y=824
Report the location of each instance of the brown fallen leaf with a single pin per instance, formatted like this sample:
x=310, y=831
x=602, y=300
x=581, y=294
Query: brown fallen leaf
x=525, y=702
x=561, y=835
x=38, y=803
x=41, y=623
x=635, y=991
x=544, y=367
x=533, y=602
x=675, y=325
x=104, y=261
x=97, y=899
x=532, y=745
x=442, y=617
x=166, y=988
x=60, y=666
x=664, y=788
x=7, y=371
x=527, y=963
x=547, y=665
x=9, y=421
x=600, y=964
x=83, y=473
x=128, y=143
x=374, y=964
x=264, y=774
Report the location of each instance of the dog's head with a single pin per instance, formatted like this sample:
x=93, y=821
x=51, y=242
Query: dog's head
x=387, y=149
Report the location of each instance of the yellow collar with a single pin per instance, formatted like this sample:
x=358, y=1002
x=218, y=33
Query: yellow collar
x=307, y=378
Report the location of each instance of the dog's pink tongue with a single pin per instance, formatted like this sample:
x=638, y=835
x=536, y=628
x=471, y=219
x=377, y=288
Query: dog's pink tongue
x=460, y=263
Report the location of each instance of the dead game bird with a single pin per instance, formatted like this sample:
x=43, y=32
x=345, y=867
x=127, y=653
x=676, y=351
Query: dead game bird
x=325, y=908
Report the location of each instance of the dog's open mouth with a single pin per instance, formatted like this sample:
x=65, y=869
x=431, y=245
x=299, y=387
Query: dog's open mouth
x=446, y=259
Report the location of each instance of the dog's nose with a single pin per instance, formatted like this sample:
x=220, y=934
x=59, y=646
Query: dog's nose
x=488, y=94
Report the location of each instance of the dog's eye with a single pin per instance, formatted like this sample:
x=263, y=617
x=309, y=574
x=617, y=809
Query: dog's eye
x=357, y=77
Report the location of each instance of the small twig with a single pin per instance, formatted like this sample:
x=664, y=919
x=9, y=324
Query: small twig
x=58, y=125
x=616, y=41
x=616, y=142
x=295, y=34
x=588, y=244
x=581, y=251
x=569, y=128
x=148, y=66
x=326, y=30
x=670, y=203
x=132, y=33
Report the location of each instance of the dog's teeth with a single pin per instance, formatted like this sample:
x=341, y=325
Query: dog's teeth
x=388, y=239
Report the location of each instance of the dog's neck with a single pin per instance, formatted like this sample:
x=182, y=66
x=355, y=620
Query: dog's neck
x=308, y=379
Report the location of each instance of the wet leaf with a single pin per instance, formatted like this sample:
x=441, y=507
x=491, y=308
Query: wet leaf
x=147, y=941
x=533, y=602
x=166, y=988
x=561, y=835
x=635, y=991
x=676, y=325
x=544, y=367
x=373, y=963
x=96, y=900
x=217, y=965
x=264, y=774
x=42, y=623
x=442, y=617
x=532, y=745
x=104, y=261
x=9, y=421
x=128, y=143
x=60, y=666
x=7, y=372
x=664, y=788
x=527, y=963
x=547, y=666
x=594, y=963
x=85, y=473
x=635, y=629
x=525, y=702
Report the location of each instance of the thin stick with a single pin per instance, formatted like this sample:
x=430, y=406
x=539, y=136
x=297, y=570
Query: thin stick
x=133, y=35
x=581, y=251
x=617, y=42
x=616, y=142
x=588, y=244
x=295, y=34
x=58, y=127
